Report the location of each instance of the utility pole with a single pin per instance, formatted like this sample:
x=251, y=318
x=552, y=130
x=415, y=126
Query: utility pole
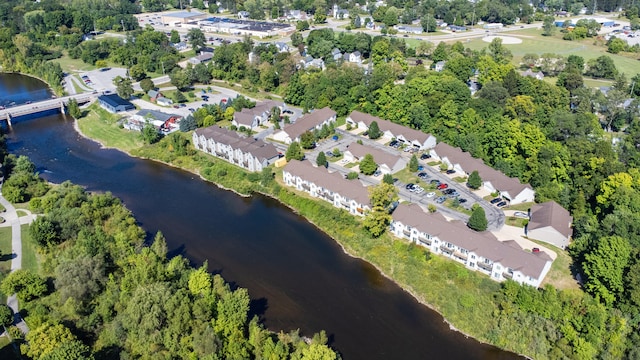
x=122, y=22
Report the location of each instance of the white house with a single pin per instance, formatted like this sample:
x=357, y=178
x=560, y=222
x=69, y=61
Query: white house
x=493, y=180
x=392, y=130
x=247, y=153
x=255, y=116
x=439, y=66
x=308, y=122
x=355, y=57
x=551, y=223
x=331, y=187
x=478, y=251
x=387, y=163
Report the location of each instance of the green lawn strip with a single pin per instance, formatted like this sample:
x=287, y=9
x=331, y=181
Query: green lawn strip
x=29, y=250
x=519, y=207
x=5, y=249
x=101, y=125
x=21, y=213
x=515, y=221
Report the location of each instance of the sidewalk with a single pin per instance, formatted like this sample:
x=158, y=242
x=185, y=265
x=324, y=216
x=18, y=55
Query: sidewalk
x=12, y=219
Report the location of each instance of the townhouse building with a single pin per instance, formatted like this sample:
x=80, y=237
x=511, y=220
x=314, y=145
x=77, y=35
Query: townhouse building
x=388, y=163
x=478, y=251
x=350, y=195
x=390, y=130
x=551, y=223
x=308, y=122
x=247, y=153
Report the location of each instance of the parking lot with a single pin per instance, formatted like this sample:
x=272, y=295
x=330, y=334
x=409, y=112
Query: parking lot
x=102, y=79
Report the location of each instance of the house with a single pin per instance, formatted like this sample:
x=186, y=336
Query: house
x=551, y=223
x=202, y=58
x=388, y=163
x=493, y=180
x=180, y=46
x=308, y=122
x=163, y=101
x=392, y=130
x=255, y=116
x=309, y=62
x=336, y=54
x=355, y=57
x=339, y=13
x=282, y=47
x=161, y=120
x=154, y=95
x=247, y=153
x=114, y=103
x=331, y=187
x=530, y=73
x=409, y=29
x=478, y=251
x=439, y=66
x=243, y=15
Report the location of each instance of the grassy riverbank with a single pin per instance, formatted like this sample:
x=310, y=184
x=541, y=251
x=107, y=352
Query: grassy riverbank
x=469, y=301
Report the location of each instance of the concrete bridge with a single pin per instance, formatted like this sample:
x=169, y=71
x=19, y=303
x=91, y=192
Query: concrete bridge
x=44, y=105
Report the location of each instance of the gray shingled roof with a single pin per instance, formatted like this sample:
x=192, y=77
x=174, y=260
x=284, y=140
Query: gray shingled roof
x=258, y=148
x=379, y=156
x=551, y=214
x=484, y=244
x=499, y=180
x=335, y=182
x=308, y=122
x=385, y=125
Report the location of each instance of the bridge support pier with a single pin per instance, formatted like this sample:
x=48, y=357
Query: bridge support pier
x=9, y=119
x=63, y=109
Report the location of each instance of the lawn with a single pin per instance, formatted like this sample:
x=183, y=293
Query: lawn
x=5, y=249
x=73, y=65
x=519, y=207
x=560, y=274
x=534, y=42
x=29, y=250
x=100, y=124
x=515, y=221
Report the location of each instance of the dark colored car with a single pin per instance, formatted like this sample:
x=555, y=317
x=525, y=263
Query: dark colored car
x=423, y=175
x=424, y=156
x=395, y=180
x=393, y=143
x=462, y=200
x=501, y=204
x=451, y=171
x=409, y=186
x=495, y=201
x=434, y=182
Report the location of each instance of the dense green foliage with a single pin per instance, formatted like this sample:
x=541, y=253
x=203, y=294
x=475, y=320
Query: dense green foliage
x=474, y=181
x=478, y=219
x=115, y=297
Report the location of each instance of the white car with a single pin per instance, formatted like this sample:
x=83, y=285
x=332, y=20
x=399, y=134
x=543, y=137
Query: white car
x=431, y=194
x=521, y=214
x=419, y=190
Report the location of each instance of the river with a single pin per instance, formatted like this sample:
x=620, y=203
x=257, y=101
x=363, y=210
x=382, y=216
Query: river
x=297, y=276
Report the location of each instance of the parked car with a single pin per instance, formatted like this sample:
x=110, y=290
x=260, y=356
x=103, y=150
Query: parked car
x=328, y=153
x=521, y=214
x=377, y=173
x=423, y=175
x=431, y=194
x=409, y=186
x=443, y=186
x=496, y=200
x=192, y=109
x=420, y=167
x=434, y=182
x=450, y=171
x=462, y=200
x=419, y=190
x=395, y=180
x=441, y=199
x=501, y=204
x=535, y=250
x=424, y=156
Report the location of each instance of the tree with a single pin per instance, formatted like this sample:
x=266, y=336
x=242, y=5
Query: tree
x=180, y=79
x=320, y=17
x=321, y=160
x=602, y=67
x=137, y=72
x=381, y=197
x=307, y=140
x=27, y=284
x=474, y=180
x=69, y=350
x=179, y=97
x=374, y=131
x=615, y=45
x=387, y=179
x=44, y=232
x=188, y=124
x=302, y=26
x=80, y=278
x=413, y=163
x=196, y=38
x=6, y=315
x=175, y=37
x=150, y=134
x=45, y=339
x=548, y=26
x=352, y=175
x=478, y=219
x=74, y=109
x=147, y=85
x=367, y=165
x=296, y=39
x=294, y=152
x=124, y=87
x=429, y=23
x=605, y=266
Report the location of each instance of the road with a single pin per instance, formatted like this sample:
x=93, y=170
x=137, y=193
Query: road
x=12, y=219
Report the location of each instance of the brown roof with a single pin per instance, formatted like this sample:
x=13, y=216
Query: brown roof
x=499, y=180
x=244, y=117
x=551, y=214
x=247, y=115
x=379, y=156
x=385, y=125
x=308, y=122
x=507, y=253
x=335, y=182
x=257, y=148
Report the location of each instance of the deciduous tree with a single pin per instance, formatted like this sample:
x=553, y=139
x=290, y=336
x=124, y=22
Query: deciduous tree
x=478, y=219
x=294, y=152
x=474, y=180
x=367, y=165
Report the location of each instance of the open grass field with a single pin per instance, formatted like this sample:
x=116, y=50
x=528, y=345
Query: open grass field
x=534, y=42
x=29, y=250
x=99, y=124
x=5, y=249
x=560, y=274
x=73, y=65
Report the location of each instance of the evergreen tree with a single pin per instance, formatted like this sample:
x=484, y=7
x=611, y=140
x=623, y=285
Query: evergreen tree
x=322, y=159
x=387, y=179
x=478, y=219
x=294, y=152
x=188, y=124
x=374, y=131
x=474, y=180
x=413, y=163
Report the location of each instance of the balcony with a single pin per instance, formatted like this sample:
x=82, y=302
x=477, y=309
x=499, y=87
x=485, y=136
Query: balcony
x=459, y=255
x=406, y=233
x=446, y=250
x=507, y=275
x=424, y=240
x=484, y=266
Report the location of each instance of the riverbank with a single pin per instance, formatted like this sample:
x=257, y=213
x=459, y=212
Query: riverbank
x=463, y=298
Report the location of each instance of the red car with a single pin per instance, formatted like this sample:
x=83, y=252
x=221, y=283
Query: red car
x=442, y=186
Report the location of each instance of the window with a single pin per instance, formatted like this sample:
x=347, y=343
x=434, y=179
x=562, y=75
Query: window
x=473, y=257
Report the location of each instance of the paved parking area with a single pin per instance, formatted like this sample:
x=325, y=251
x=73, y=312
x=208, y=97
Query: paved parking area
x=102, y=80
